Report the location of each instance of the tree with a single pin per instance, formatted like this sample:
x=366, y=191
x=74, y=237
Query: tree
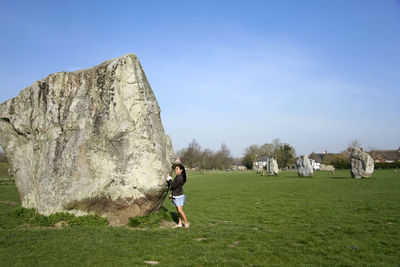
x=355, y=143
x=341, y=161
x=328, y=159
x=282, y=152
x=267, y=150
x=276, y=144
x=191, y=156
x=248, y=161
x=285, y=153
x=223, y=157
x=251, y=154
x=252, y=150
x=206, y=159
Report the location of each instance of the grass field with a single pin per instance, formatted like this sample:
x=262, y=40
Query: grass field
x=236, y=219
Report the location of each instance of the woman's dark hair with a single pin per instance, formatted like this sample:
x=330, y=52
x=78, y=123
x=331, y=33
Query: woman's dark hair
x=183, y=171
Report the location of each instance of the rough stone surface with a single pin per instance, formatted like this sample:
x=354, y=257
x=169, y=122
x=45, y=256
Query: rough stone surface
x=272, y=166
x=304, y=167
x=258, y=167
x=89, y=141
x=362, y=164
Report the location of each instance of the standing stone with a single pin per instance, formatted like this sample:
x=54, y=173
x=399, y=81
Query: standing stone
x=362, y=164
x=89, y=141
x=258, y=166
x=272, y=166
x=304, y=167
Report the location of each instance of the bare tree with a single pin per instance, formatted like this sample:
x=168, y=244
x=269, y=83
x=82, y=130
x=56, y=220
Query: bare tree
x=267, y=150
x=355, y=143
x=252, y=150
x=207, y=159
x=276, y=143
x=223, y=157
x=191, y=155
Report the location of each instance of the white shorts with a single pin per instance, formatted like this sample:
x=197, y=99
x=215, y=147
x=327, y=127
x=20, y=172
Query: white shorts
x=178, y=201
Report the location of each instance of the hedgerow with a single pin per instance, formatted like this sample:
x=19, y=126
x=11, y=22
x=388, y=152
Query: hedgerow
x=387, y=165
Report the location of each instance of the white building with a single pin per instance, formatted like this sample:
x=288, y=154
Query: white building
x=316, y=166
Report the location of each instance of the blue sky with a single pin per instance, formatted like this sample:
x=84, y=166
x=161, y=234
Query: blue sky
x=316, y=74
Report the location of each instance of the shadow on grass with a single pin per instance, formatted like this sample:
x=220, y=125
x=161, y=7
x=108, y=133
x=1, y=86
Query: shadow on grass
x=298, y=177
x=175, y=216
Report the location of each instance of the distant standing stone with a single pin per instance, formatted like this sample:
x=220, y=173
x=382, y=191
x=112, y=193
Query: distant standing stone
x=258, y=166
x=272, y=166
x=304, y=167
x=362, y=164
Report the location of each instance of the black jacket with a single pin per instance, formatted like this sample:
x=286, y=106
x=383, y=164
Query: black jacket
x=176, y=185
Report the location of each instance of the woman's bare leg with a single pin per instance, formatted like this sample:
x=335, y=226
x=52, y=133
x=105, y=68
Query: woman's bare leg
x=182, y=215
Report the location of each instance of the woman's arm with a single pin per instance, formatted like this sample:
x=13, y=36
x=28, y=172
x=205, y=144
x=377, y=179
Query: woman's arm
x=178, y=181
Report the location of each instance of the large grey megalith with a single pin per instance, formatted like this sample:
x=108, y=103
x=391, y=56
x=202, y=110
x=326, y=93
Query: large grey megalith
x=272, y=166
x=89, y=141
x=361, y=164
x=304, y=167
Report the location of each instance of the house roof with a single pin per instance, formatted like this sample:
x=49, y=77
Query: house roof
x=320, y=157
x=385, y=154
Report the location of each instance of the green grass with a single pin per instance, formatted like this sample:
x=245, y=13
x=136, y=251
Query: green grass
x=31, y=217
x=236, y=219
x=151, y=220
x=4, y=178
x=4, y=169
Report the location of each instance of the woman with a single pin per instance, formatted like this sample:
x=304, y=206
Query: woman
x=178, y=198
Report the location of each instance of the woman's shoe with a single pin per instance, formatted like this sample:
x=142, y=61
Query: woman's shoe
x=177, y=226
x=187, y=225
